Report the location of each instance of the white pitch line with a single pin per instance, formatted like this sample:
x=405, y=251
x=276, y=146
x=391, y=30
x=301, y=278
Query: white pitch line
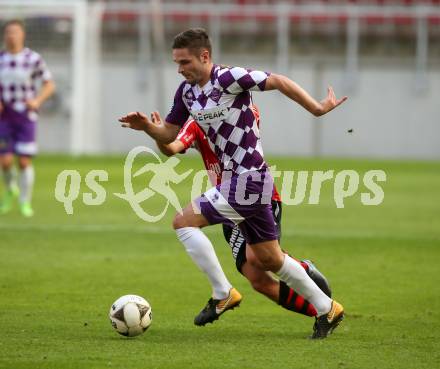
x=150, y=229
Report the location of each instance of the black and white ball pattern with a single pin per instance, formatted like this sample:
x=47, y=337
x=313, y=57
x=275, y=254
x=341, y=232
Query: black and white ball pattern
x=131, y=315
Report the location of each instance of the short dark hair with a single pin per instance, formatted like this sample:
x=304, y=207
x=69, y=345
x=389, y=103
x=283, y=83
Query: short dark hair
x=17, y=22
x=194, y=39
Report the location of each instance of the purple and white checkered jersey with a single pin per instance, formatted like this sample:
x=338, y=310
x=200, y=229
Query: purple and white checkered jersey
x=222, y=110
x=21, y=75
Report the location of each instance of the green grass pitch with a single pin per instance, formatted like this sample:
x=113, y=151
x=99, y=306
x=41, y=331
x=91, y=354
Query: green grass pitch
x=60, y=273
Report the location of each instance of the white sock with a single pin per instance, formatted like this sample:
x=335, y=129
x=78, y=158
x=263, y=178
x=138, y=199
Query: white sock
x=9, y=177
x=294, y=275
x=202, y=252
x=26, y=183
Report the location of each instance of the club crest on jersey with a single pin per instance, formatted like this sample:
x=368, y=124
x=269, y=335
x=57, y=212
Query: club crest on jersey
x=215, y=95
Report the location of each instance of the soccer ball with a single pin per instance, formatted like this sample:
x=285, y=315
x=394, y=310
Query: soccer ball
x=130, y=315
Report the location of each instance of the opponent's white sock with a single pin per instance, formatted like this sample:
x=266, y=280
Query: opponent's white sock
x=294, y=275
x=26, y=183
x=9, y=178
x=202, y=252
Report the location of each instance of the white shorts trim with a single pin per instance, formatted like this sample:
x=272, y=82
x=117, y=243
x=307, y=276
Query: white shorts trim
x=26, y=148
x=220, y=204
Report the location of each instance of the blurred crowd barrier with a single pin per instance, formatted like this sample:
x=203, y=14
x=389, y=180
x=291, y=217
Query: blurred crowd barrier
x=112, y=57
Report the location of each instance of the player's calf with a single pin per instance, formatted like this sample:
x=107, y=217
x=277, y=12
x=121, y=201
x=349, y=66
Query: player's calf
x=292, y=301
x=317, y=277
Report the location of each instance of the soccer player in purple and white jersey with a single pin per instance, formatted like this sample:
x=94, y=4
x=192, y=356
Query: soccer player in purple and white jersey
x=25, y=83
x=219, y=99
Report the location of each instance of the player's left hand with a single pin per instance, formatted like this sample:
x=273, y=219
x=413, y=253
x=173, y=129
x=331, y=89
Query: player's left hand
x=331, y=102
x=33, y=104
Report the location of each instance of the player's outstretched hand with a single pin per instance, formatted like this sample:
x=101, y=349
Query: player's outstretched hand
x=135, y=120
x=331, y=102
x=156, y=119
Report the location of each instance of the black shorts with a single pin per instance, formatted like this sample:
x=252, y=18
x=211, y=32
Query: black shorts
x=237, y=242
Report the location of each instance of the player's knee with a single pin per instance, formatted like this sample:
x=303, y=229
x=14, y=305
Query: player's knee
x=6, y=166
x=252, y=260
x=272, y=262
x=183, y=219
x=188, y=218
x=6, y=162
x=23, y=165
x=24, y=162
x=179, y=221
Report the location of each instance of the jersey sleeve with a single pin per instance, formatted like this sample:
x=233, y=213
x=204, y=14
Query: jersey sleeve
x=187, y=134
x=178, y=114
x=237, y=79
x=41, y=71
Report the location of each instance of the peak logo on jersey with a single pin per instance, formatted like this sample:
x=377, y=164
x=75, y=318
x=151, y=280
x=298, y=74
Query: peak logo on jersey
x=213, y=115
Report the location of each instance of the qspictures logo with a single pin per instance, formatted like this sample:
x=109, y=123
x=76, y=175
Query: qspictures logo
x=297, y=187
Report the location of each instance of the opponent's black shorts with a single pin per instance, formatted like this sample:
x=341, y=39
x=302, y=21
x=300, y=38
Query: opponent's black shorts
x=237, y=242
